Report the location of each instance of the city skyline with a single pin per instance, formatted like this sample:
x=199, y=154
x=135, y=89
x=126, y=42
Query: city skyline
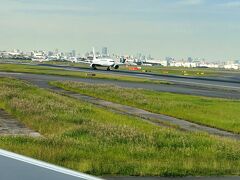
x=178, y=28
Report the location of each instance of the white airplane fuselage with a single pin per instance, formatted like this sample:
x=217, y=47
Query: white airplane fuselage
x=103, y=62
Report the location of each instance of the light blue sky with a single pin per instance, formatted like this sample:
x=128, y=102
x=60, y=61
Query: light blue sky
x=179, y=28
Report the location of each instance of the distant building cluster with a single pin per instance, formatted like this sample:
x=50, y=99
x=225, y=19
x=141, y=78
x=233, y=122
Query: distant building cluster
x=39, y=55
x=138, y=59
x=202, y=63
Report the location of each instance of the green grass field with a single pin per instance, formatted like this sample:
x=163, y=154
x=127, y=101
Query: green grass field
x=214, y=112
x=93, y=140
x=62, y=72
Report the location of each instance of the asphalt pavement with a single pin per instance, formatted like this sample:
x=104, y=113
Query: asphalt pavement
x=229, y=82
x=182, y=88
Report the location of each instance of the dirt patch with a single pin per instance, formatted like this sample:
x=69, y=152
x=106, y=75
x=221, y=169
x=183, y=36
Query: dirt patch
x=11, y=126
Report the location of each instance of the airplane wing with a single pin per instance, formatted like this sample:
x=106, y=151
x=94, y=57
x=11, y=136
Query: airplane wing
x=14, y=167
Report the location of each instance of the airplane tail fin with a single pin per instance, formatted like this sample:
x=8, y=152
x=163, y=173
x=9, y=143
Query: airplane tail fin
x=94, y=55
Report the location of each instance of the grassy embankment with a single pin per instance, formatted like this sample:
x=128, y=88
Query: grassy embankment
x=215, y=112
x=83, y=137
x=62, y=72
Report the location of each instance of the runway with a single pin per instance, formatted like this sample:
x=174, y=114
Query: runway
x=228, y=82
x=182, y=88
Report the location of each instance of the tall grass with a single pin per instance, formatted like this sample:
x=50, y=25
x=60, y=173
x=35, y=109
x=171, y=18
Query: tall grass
x=215, y=112
x=90, y=139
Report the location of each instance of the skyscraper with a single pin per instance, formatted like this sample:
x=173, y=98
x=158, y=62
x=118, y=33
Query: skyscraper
x=104, y=51
x=190, y=59
x=73, y=53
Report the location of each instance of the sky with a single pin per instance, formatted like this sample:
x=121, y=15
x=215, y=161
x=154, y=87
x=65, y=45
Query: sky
x=177, y=28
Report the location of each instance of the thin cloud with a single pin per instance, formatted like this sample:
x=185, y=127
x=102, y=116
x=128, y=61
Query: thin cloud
x=233, y=4
x=191, y=2
x=57, y=10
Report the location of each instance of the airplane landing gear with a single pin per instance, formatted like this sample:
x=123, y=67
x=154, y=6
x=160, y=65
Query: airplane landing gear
x=108, y=69
x=94, y=67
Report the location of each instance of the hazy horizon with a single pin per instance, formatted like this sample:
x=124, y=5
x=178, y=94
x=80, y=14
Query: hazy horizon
x=179, y=28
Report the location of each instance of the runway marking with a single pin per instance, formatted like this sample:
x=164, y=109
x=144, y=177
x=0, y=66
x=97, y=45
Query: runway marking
x=46, y=165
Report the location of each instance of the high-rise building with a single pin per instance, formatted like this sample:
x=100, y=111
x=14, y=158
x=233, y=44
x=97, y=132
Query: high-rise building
x=104, y=51
x=149, y=57
x=190, y=59
x=56, y=51
x=73, y=53
x=50, y=53
x=237, y=62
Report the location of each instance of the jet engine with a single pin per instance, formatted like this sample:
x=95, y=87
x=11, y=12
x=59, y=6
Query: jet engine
x=116, y=66
x=93, y=66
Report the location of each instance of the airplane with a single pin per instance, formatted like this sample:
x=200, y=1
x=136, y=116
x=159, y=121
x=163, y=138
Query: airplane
x=103, y=62
x=39, y=57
